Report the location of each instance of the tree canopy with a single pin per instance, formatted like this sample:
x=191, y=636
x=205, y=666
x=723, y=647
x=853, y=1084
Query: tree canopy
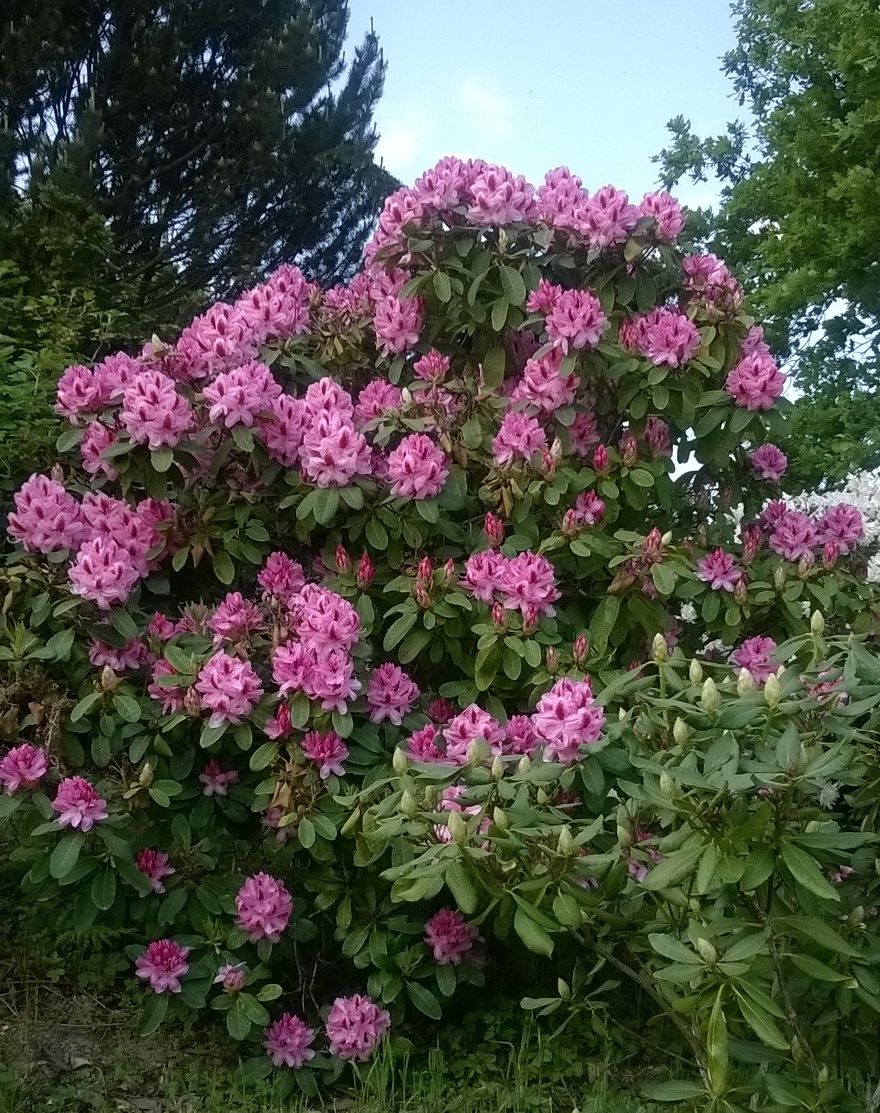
x=799, y=213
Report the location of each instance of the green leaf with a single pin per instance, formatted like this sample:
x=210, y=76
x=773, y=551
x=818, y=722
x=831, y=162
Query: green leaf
x=398, y=630
x=641, y=478
x=84, y=706
x=237, y=1023
x=716, y=1046
x=263, y=756
x=162, y=458
x=813, y=968
x=493, y=367
x=224, y=569
x=253, y=1010
x=764, y=1027
x=531, y=933
x=460, y=883
x=376, y=533
x=104, y=888
x=674, y=868
x=153, y=1014
x=127, y=707
x=806, y=872
x=513, y=286
x=674, y=1091
x=602, y=623
x=442, y=287
x=305, y=832
x=817, y=931
x=446, y=980
x=424, y=1000
x=65, y=855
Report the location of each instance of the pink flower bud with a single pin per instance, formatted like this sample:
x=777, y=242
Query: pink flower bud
x=493, y=529
x=551, y=659
x=425, y=570
x=741, y=591
x=653, y=542
x=530, y=619
x=548, y=464
x=439, y=710
x=629, y=449
x=365, y=571
x=805, y=564
x=830, y=553
x=580, y=649
x=499, y=617
x=192, y=705
x=751, y=542
x=343, y=560
x=600, y=460
x=449, y=571
x=422, y=597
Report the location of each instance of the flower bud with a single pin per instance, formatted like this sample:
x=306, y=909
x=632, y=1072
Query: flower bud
x=365, y=571
x=667, y=786
x=551, y=659
x=449, y=571
x=805, y=565
x=624, y=836
x=530, y=619
x=425, y=570
x=751, y=543
x=192, y=705
x=109, y=679
x=695, y=672
x=830, y=553
x=653, y=543
x=629, y=450
x=439, y=711
x=499, y=818
x=408, y=804
x=542, y=796
x=580, y=649
x=621, y=714
x=343, y=560
x=772, y=694
x=525, y=764
x=497, y=768
x=600, y=460
x=477, y=752
x=457, y=827
x=399, y=762
x=666, y=539
x=548, y=464
x=659, y=649
x=571, y=526
x=744, y=683
x=680, y=731
x=145, y=777
x=741, y=591
x=707, y=951
x=817, y=624
x=779, y=577
x=499, y=616
x=422, y=597
x=493, y=530
x=565, y=843
x=710, y=699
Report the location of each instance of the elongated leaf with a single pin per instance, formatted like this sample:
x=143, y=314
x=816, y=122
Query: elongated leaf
x=460, y=883
x=532, y=934
x=674, y=868
x=764, y=1027
x=424, y=1000
x=65, y=855
x=153, y=1014
x=805, y=870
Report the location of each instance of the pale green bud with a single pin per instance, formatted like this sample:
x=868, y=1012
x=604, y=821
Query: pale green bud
x=659, y=649
x=680, y=731
x=744, y=682
x=563, y=989
x=772, y=694
x=565, y=845
x=497, y=769
x=408, y=804
x=710, y=699
x=624, y=836
x=707, y=951
x=525, y=764
x=457, y=827
x=621, y=714
x=478, y=751
x=666, y=538
x=542, y=796
x=667, y=786
x=779, y=577
x=399, y=762
x=817, y=624
x=695, y=672
x=499, y=817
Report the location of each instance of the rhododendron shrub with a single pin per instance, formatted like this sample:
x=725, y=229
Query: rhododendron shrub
x=368, y=635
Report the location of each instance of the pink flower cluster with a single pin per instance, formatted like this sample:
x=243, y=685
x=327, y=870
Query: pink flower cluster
x=769, y=462
x=327, y=751
x=227, y=687
x=755, y=382
x=263, y=907
x=450, y=937
x=355, y=1026
x=163, y=964
x=22, y=768
x=718, y=569
x=526, y=582
x=391, y=694
x=756, y=656
x=78, y=804
x=519, y=437
x=154, y=865
x=566, y=718
x=664, y=336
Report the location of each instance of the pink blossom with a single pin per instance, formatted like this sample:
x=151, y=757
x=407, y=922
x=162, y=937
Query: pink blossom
x=114, y=373
x=543, y=386
x=566, y=718
x=131, y=528
x=666, y=213
x=288, y=1042
x=324, y=619
x=519, y=436
x=499, y=198
x=519, y=736
x=432, y=367
x=279, y=307
x=232, y=976
x=493, y=530
x=228, y=688
x=794, y=536
x=22, y=768
x=754, y=344
x=544, y=297
x=235, y=618
x=710, y=280
x=484, y=574
x=755, y=383
x=561, y=200
x=378, y=398
x=656, y=436
x=217, y=780
x=325, y=675
x=171, y=698
x=583, y=434
x=219, y=339
x=327, y=751
x=417, y=468
x=103, y=573
x=153, y=864
x=132, y=655
x=769, y=462
x=327, y=397
x=240, y=396
x=669, y=337
x=576, y=321
x=391, y=694
x=588, y=508
x=718, y=569
x=279, y=725
x=774, y=511
x=444, y=186
x=397, y=323
x=153, y=412
x=468, y=727
x=449, y=802
x=756, y=656
x=609, y=217
x=96, y=440
x=530, y=581
x=163, y=964
x=280, y=577
x=422, y=744
x=355, y=1026
x=46, y=518
x=282, y=429
x=78, y=804
x=450, y=937
x=263, y=907
x=333, y=452
x=842, y=525
x=79, y=391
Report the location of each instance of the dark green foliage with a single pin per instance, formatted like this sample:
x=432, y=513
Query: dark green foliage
x=799, y=216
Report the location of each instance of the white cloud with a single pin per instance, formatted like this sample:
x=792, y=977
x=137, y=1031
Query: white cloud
x=488, y=111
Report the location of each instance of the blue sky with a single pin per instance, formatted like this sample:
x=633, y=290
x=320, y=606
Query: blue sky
x=589, y=84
